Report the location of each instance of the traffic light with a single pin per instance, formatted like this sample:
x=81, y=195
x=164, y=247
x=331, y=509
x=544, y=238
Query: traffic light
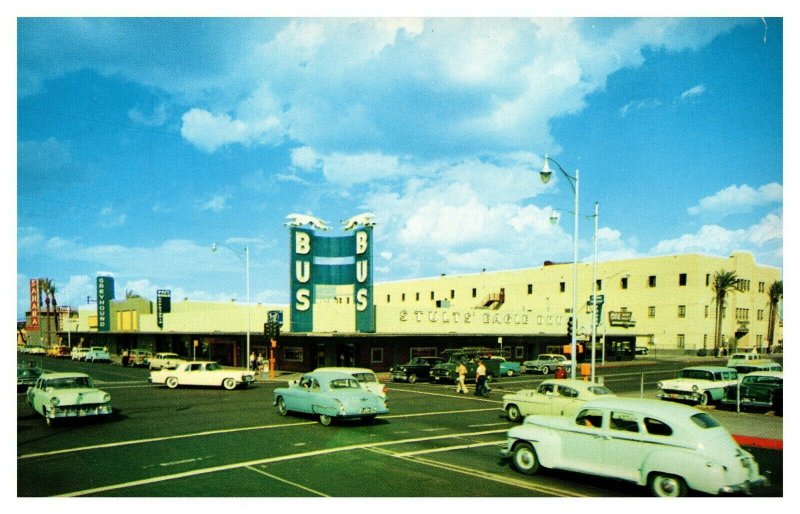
x=569, y=326
x=272, y=330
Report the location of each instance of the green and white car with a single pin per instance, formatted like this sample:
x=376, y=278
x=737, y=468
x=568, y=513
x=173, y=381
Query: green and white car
x=67, y=395
x=700, y=384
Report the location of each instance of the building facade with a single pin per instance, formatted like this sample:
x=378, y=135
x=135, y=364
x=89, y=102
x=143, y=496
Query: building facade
x=665, y=304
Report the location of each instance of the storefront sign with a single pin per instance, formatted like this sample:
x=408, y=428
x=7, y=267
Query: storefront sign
x=163, y=304
x=477, y=318
x=621, y=319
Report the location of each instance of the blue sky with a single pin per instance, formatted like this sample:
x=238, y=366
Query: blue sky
x=140, y=142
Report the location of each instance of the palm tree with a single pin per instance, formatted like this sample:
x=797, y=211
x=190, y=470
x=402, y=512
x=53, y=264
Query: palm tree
x=775, y=295
x=724, y=283
x=129, y=293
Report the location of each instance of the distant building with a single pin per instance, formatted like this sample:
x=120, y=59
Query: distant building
x=664, y=303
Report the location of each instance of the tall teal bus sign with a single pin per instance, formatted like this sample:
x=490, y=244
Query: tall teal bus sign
x=322, y=260
x=105, y=293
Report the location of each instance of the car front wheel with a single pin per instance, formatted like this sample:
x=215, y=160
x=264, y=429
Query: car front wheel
x=172, y=382
x=282, y=407
x=325, y=420
x=544, y=370
x=525, y=459
x=513, y=413
x=412, y=378
x=510, y=373
x=664, y=485
x=229, y=384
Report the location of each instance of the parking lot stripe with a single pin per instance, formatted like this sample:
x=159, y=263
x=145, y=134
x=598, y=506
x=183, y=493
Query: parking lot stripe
x=281, y=458
x=288, y=482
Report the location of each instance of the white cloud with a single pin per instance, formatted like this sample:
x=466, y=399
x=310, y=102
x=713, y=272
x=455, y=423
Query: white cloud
x=156, y=118
x=694, y=91
x=216, y=203
x=109, y=218
x=738, y=199
x=304, y=158
x=638, y=105
x=209, y=132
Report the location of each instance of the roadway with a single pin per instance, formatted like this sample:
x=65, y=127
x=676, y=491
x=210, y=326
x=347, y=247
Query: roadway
x=210, y=442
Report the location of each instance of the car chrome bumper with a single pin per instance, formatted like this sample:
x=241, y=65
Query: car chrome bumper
x=397, y=377
x=76, y=412
x=678, y=396
x=745, y=487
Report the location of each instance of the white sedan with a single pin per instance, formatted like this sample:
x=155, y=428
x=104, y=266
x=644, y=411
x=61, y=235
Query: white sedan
x=67, y=395
x=560, y=397
x=202, y=373
x=669, y=447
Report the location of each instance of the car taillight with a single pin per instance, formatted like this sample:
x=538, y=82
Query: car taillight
x=385, y=390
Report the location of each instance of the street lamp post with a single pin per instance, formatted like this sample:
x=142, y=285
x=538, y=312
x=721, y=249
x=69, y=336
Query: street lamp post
x=574, y=182
x=246, y=260
x=594, y=287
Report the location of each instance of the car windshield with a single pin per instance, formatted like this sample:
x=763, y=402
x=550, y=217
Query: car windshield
x=365, y=377
x=69, y=383
x=600, y=390
x=213, y=366
x=344, y=383
x=703, y=420
x=696, y=374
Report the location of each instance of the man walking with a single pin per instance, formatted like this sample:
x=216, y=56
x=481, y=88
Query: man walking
x=480, y=380
x=461, y=370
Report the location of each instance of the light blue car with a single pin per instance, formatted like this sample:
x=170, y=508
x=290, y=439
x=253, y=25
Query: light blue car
x=329, y=394
x=97, y=354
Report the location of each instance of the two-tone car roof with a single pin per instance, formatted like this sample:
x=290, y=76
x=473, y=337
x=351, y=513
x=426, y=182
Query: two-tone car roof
x=656, y=408
x=574, y=383
x=63, y=374
x=776, y=374
x=710, y=368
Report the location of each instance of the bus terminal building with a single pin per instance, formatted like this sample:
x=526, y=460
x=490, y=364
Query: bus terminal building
x=664, y=303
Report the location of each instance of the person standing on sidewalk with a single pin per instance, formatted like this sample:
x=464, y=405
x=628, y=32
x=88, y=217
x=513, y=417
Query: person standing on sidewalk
x=252, y=361
x=480, y=380
x=461, y=370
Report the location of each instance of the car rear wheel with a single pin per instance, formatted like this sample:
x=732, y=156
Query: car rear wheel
x=282, y=410
x=325, y=420
x=544, y=370
x=664, y=485
x=229, y=384
x=510, y=373
x=525, y=459
x=172, y=382
x=513, y=413
x=412, y=378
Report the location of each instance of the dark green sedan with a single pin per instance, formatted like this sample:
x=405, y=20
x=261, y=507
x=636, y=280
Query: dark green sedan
x=760, y=390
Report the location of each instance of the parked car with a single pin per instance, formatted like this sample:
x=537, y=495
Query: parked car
x=505, y=367
x=329, y=394
x=701, y=384
x=34, y=349
x=757, y=365
x=139, y=357
x=759, y=389
x=641, y=350
x=166, y=360
x=78, y=353
x=97, y=354
x=418, y=368
x=67, y=395
x=739, y=358
x=27, y=373
x=547, y=363
x=59, y=351
x=469, y=356
x=365, y=377
x=559, y=397
x=671, y=448
x=202, y=373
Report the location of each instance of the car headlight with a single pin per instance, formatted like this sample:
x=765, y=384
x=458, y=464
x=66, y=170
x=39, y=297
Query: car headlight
x=695, y=388
x=106, y=397
x=54, y=401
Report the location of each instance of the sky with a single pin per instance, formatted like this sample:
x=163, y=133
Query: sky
x=143, y=141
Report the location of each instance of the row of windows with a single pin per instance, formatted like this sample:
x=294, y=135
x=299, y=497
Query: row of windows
x=741, y=314
x=744, y=285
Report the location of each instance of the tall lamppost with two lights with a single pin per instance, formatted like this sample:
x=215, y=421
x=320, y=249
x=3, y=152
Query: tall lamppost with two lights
x=574, y=183
x=246, y=260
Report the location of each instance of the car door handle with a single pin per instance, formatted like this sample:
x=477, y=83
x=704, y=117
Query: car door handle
x=603, y=437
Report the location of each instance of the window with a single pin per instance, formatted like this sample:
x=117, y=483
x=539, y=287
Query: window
x=567, y=392
x=681, y=341
x=760, y=314
x=432, y=296
x=429, y=351
x=681, y=311
x=708, y=279
x=388, y=298
x=703, y=420
x=293, y=353
x=624, y=421
x=682, y=279
x=563, y=286
x=651, y=281
x=706, y=311
x=651, y=311
x=599, y=284
x=761, y=286
x=403, y=297
x=656, y=427
x=590, y=418
x=623, y=283
x=376, y=355
x=519, y=352
x=530, y=288
x=474, y=292
x=452, y=294
x=417, y=296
